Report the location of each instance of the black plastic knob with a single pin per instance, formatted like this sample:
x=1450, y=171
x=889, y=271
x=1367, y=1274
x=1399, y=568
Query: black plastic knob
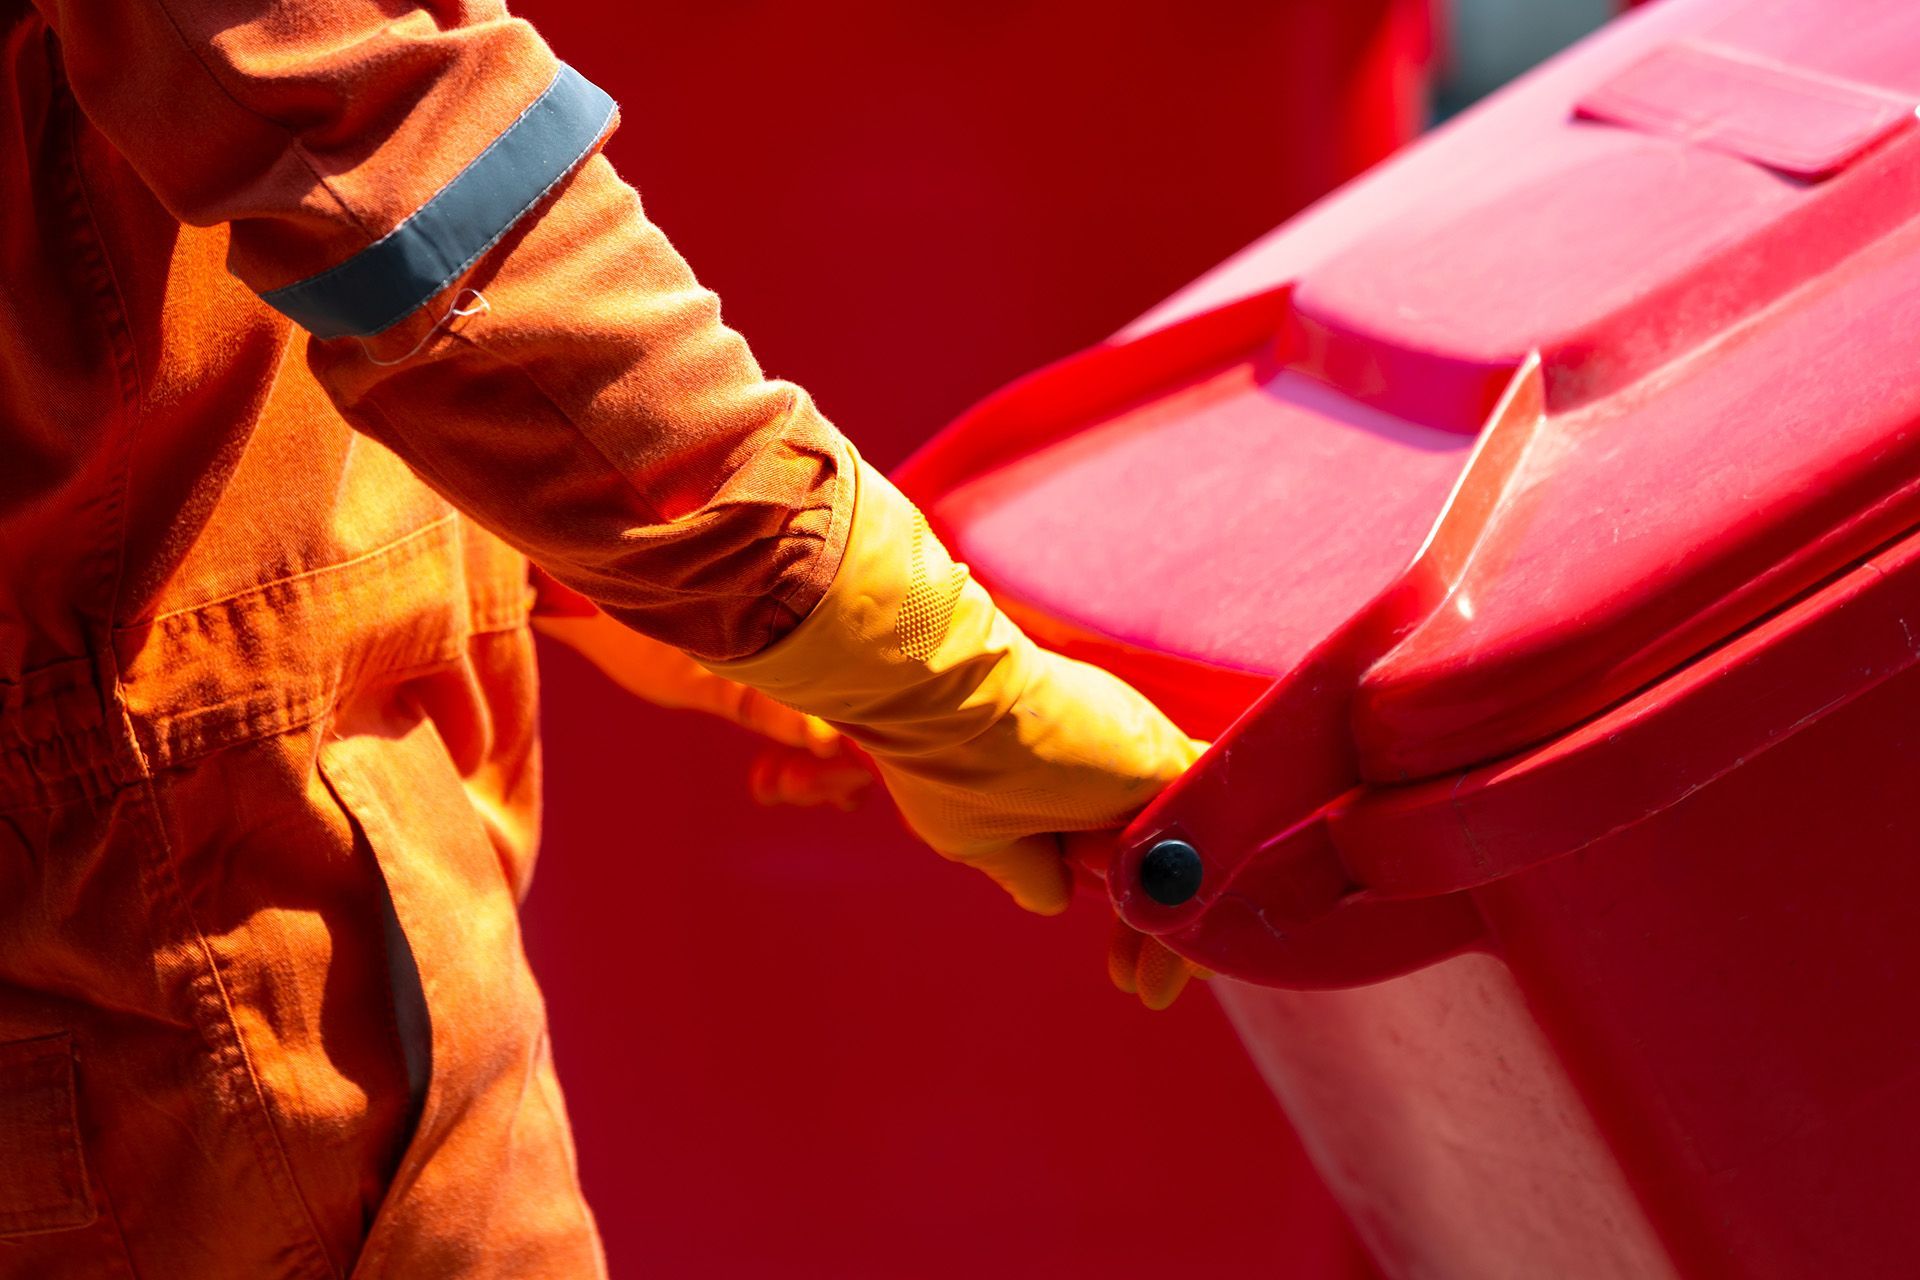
x=1170, y=873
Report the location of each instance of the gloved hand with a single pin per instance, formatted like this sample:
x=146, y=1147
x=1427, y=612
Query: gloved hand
x=991, y=746
x=808, y=763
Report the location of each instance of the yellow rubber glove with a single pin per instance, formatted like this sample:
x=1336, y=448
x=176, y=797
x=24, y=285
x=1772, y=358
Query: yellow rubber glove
x=991, y=746
x=809, y=763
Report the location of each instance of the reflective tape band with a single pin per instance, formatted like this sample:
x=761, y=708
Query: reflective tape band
x=385, y=282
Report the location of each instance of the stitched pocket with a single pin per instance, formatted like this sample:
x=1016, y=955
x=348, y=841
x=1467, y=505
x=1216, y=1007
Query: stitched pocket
x=43, y=1176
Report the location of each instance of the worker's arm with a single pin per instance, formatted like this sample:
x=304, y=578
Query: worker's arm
x=384, y=170
x=376, y=164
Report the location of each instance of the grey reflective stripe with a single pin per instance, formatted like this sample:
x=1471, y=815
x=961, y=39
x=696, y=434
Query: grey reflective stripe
x=381, y=285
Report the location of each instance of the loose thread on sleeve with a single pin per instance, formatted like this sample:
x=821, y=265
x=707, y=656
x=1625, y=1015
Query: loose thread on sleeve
x=460, y=310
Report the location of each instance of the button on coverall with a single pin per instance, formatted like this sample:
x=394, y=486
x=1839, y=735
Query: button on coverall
x=315, y=321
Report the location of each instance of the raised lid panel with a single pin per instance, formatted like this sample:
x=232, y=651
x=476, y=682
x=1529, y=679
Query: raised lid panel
x=1218, y=523
x=1795, y=121
x=1647, y=529
x=1611, y=252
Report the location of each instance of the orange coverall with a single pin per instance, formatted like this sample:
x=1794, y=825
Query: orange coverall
x=268, y=766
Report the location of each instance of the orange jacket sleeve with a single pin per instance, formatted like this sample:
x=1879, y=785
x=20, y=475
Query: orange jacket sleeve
x=383, y=168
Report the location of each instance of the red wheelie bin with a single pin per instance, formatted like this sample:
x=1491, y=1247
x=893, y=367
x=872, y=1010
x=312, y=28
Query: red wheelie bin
x=1533, y=523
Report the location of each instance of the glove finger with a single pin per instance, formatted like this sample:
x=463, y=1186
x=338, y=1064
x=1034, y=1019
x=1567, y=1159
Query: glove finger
x=666, y=677
x=792, y=776
x=764, y=782
x=1032, y=870
x=1161, y=975
x=756, y=712
x=842, y=784
x=1123, y=956
x=823, y=740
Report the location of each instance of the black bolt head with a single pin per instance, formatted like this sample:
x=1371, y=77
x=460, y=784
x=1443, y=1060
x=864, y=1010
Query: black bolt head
x=1170, y=873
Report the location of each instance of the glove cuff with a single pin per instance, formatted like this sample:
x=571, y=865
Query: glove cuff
x=905, y=650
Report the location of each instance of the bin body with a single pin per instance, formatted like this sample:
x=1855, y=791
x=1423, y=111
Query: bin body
x=1532, y=523
x=795, y=1043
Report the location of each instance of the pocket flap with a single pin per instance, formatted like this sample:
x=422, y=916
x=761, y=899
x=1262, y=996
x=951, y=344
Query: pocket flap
x=43, y=1175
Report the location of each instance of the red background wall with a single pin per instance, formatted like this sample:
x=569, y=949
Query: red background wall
x=796, y=1044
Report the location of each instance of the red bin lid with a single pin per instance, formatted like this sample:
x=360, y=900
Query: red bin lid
x=1587, y=385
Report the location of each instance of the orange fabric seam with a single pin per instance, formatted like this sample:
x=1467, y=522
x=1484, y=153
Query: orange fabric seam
x=223, y=1033
x=293, y=139
x=217, y=707
x=261, y=588
x=129, y=382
